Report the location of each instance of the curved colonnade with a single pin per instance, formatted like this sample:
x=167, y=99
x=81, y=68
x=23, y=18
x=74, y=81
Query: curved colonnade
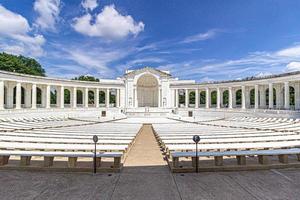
x=19, y=91
x=274, y=92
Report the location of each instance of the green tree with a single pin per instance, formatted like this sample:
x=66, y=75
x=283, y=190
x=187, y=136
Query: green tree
x=20, y=64
x=86, y=78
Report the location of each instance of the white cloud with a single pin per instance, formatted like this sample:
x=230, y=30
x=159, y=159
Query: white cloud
x=48, y=11
x=201, y=36
x=109, y=24
x=97, y=59
x=293, y=51
x=89, y=4
x=16, y=37
x=293, y=66
x=266, y=63
x=145, y=60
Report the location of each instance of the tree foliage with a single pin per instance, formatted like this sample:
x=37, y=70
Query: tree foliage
x=86, y=78
x=20, y=64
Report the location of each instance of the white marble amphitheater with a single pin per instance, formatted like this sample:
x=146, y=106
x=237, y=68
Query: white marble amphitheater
x=148, y=115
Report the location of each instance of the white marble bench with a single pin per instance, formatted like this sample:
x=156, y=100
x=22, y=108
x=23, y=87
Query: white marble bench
x=25, y=157
x=61, y=147
x=240, y=156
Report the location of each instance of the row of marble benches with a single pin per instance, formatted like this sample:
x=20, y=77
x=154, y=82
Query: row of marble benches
x=65, y=141
x=275, y=124
x=179, y=138
x=25, y=157
x=241, y=156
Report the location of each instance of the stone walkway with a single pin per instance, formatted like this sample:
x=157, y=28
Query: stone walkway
x=145, y=151
x=145, y=174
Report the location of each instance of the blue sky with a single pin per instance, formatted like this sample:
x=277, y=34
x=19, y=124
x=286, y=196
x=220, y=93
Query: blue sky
x=201, y=40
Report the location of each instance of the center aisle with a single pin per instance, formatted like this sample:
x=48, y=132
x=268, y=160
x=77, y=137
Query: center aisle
x=145, y=152
x=145, y=174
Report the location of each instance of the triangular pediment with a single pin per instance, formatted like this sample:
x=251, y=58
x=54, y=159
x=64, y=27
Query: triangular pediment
x=133, y=73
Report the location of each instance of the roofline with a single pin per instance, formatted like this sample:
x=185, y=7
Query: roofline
x=146, y=67
x=251, y=78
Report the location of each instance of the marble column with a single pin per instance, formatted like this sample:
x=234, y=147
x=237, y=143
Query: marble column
x=10, y=95
x=196, y=98
x=27, y=96
x=97, y=98
x=297, y=96
x=186, y=98
x=86, y=97
x=218, y=98
x=279, y=99
x=48, y=96
x=62, y=97
x=207, y=98
x=234, y=98
x=176, y=98
x=270, y=95
x=117, y=98
x=230, y=98
x=33, y=96
x=256, y=105
x=1, y=95
x=74, y=98
x=107, y=98
x=18, y=95
x=247, y=97
x=286, y=95
x=159, y=98
x=262, y=97
x=243, y=97
x=135, y=100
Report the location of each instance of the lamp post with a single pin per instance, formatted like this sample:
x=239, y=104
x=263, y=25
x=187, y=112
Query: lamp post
x=95, y=139
x=196, y=139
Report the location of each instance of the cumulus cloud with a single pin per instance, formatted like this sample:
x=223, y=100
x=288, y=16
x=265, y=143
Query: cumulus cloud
x=108, y=24
x=293, y=66
x=48, y=13
x=16, y=38
x=201, y=36
x=89, y=4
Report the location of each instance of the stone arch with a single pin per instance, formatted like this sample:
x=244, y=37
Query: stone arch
x=213, y=98
x=113, y=97
x=39, y=94
x=202, y=97
x=147, y=90
x=79, y=97
x=181, y=96
x=53, y=96
x=225, y=99
x=102, y=96
x=91, y=97
x=67, y=96
x=192, y=98
x=238, y=97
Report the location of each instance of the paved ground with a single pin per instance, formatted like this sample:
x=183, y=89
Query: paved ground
x=146, y=176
